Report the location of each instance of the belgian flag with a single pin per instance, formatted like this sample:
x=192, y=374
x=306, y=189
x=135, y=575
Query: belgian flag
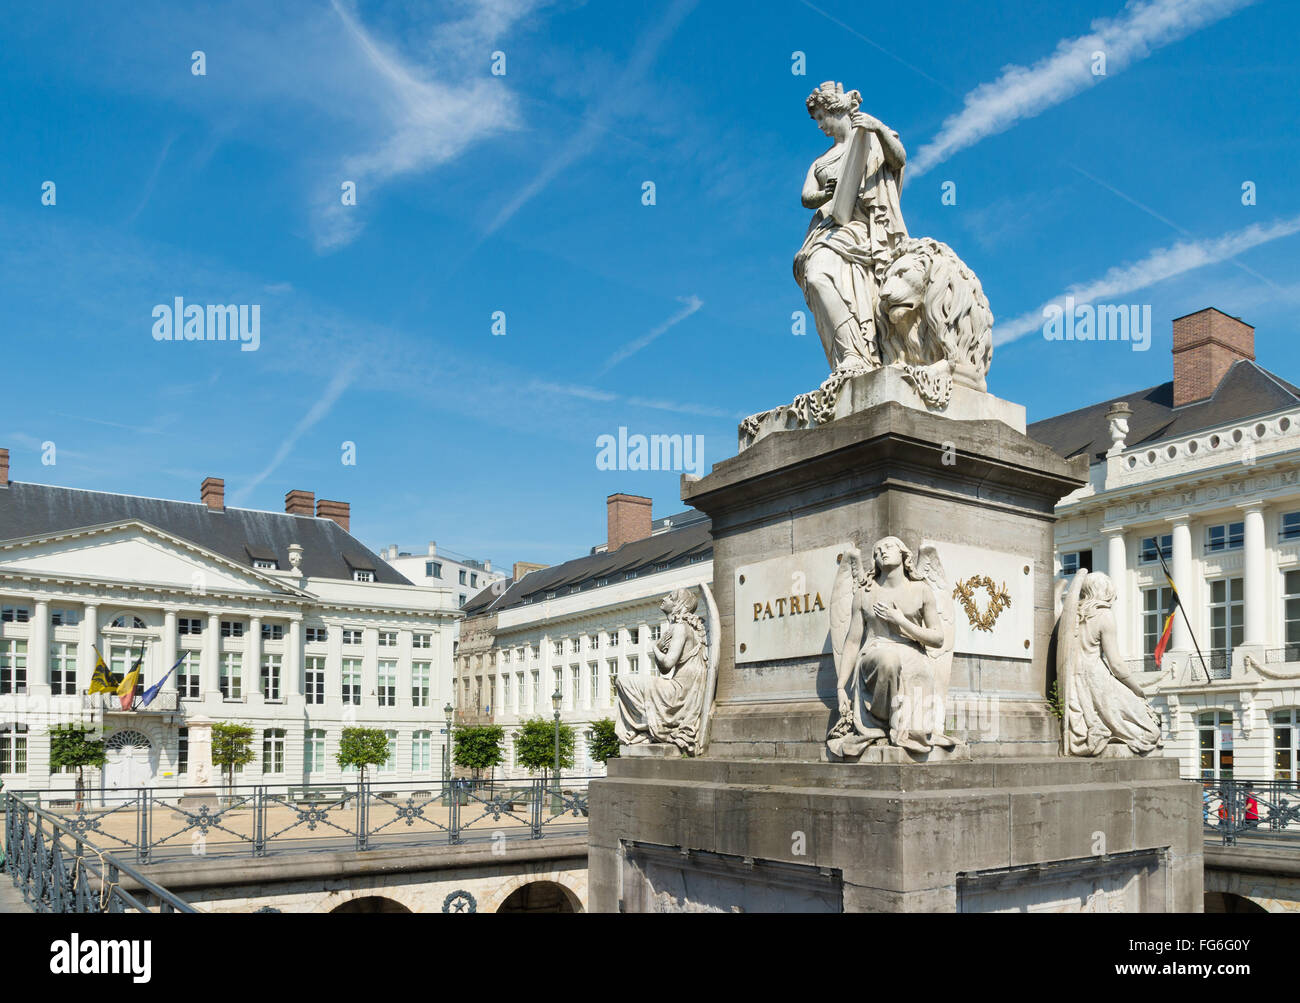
x=126, y=687
x=1174, y=608
x=103, y=681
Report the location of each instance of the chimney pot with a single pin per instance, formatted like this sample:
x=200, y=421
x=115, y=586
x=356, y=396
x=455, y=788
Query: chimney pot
x=433, y=549
x=4, y=468
x=627, y=518
x=1206, y=344
x=300, y=502
x=213, y=493
x=336, y=511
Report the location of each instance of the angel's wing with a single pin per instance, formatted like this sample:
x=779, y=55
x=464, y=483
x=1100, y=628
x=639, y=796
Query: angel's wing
x=1067, y=649
x=932, y=569
x=841, y=608
x=711, y=680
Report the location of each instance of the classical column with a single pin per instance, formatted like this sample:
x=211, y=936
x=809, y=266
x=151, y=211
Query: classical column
x=1255, y=592
x=1117, y=569
x=38, y=651
x=253, y=660
x=89, y=639
x=209, y=667
x=169, y=642
x=291, y=674
x=1181, y=567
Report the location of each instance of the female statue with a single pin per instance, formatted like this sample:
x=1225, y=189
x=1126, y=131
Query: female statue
x=1103, y=703
x=669, y=705
x=841, y=265
x=887, y=667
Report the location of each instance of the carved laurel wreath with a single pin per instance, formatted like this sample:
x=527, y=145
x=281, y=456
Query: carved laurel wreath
x=999, y=599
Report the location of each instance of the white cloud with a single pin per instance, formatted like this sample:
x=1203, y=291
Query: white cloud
x=1023, y=92
x=1163, y=263
x=692, y=304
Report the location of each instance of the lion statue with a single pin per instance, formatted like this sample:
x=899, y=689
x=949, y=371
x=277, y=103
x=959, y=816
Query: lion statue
x=935, y=322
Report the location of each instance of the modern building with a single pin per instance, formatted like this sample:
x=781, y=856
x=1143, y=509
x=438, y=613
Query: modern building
x=462, y=575
x=1201, y=469
x=574, y=628
x=282, y=621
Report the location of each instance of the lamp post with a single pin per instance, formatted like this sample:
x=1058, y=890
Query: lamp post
x=556, y=699
x=446, y=755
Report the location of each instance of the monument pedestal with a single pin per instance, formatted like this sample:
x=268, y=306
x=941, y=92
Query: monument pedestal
x=1062, y=835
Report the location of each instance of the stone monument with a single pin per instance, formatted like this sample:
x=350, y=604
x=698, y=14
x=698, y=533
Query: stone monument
x=880, y=738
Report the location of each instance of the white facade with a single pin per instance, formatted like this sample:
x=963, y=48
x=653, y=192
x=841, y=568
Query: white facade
x=296, y=658
x=463, y=577
x=1224, y=506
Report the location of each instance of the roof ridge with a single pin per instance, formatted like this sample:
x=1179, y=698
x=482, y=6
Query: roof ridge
x=170, y=501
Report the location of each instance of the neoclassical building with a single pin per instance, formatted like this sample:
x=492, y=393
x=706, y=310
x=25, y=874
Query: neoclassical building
x=281, y=621
x=1201, y=469
x=573, y=628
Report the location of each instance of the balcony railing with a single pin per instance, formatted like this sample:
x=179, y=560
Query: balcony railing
x=1288, y=653
x=1232, y=809
x=111, y=702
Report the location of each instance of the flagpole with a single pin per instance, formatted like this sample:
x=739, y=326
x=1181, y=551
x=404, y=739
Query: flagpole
x=1178, y=601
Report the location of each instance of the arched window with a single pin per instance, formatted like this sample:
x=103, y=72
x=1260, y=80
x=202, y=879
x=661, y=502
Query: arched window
x=1215, y=728
x=128, y=740
x=128, y=621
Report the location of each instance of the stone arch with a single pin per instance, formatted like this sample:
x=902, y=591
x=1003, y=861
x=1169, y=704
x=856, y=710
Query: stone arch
x=370, y=904
x=1229, y=902
x=540, y=896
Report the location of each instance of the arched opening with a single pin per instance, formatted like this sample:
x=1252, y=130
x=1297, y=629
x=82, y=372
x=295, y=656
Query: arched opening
x=1221, y=902
x=541, y=896
x=370, y=904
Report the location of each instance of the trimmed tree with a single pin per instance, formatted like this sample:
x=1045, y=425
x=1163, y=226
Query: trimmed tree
x=604, y=740
x=362, y=747
x=72, y=747
x=535, y=745
x=478, y=747
x=232, y=747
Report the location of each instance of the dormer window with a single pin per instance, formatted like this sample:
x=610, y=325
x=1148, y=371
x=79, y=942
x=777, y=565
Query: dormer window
x=361, y=575
x=264, y=565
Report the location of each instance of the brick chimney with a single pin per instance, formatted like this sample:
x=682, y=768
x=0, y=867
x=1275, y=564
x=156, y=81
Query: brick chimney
x=300, y=502
x=4, y=468
x=1206, y=344
x=628, y=518
x=213, y=493
x=340, y=512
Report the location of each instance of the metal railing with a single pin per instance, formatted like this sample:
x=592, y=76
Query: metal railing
x=166, y=700
x=157, y=823
x=1288, y=653
x=59, y=870
x=1267, y=809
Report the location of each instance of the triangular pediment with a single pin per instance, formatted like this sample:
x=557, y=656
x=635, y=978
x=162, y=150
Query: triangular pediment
x=137, y=553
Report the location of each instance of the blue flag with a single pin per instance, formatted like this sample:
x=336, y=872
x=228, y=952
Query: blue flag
x=153, y=690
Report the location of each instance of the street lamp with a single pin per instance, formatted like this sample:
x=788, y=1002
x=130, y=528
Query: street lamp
x=556, y=699
x=448, y=711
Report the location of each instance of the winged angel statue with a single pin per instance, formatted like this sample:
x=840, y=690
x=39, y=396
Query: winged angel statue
x=892, y=633
x=670, y=706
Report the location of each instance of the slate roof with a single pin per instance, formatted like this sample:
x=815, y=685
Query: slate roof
x=238, y=534
x=1246, y=391
x=674, y=548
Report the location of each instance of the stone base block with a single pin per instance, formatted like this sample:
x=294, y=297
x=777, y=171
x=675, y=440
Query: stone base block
x=1027, y=835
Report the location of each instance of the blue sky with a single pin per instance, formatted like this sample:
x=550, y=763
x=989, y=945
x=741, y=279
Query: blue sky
x=522, y=193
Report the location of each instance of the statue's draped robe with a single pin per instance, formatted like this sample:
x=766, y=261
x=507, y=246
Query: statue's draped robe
x=665, y=707
x=1099, y=708
x=863, y=245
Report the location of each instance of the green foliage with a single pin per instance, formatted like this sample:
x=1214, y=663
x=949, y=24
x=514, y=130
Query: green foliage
x=72, y=747
x=604, y=740
x=478, y=747
x=1054, y=701
x=362, y=747
x=232, y=747
x=535, y=745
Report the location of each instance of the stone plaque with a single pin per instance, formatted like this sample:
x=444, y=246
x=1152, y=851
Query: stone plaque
x=781, y=606
x=994, y=600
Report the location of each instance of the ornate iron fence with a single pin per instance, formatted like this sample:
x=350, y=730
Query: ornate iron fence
x=1267, y=809
x=58, y=870
x=155, y=823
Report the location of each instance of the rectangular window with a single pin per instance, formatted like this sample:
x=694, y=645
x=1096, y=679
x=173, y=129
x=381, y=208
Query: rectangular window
x=611, y=668
x=1290, y=527
x=654, y=632
x=351, y=636
x=63, y=669
x=314, y=679
x=575, y=644
x=575, y=686
x=1073, y=560
x=187, y=676
x=352, y=681
x=64, y=618
x=388, y=639
x=593, y=694
x=633, y=665
x=559, y=647
x=189, y=625
x=387, y=690
x=263, y=564
x=1227, y=616
x=1229, y=536
x=1155, y=547
x=505, y=692
x=612, y=637
x=317, y=635
x=593, y=641
x=519, y=691
x=473, y=581
x=13, y=665
x=272, y=632
x=433, y=569
x=230, y=628
x=1291, y=611
x=273, y=750
x=422, y=641
x=14, y=614
x=421, y=747
x=1155, y=608
x=182, y=751
x=1285, y=744
x=13, y=748
x=363, y=576
x=1215, y=732
x=634, y=635
x=271, y=677
x=462, y=577
x=231, y=681
x=389, y=765
x=461, y=600
x=313, y=751
x=420, y=672
x=537, y=690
